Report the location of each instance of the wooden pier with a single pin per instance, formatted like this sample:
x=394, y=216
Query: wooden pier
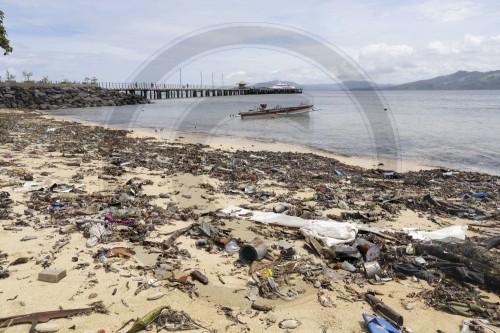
x=169, y=91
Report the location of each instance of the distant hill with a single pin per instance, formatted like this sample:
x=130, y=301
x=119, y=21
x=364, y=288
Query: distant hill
x=461, y=80
x=352, y=85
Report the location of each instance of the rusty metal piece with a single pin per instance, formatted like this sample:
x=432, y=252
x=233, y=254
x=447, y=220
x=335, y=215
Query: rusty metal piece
x=42, y=317
x=196, y=275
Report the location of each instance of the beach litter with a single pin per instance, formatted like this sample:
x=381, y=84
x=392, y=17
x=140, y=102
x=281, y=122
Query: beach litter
x=138, y=219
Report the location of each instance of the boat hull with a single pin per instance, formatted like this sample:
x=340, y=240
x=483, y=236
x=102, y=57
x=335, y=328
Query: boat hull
x=294, y=110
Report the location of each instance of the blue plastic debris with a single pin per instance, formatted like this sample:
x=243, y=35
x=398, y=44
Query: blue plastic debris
x=378, y=325
x=338, y=173
x=476, y=195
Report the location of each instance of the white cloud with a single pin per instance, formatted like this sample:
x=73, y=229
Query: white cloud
x=440, y=47
x=473, y=45
x=387, y=63
x=237, y=74
x=385, y=51
x=384, y=58
x=448, y=11
x=394, y=43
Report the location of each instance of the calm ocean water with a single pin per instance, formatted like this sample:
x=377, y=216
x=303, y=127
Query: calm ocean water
x=455, y=129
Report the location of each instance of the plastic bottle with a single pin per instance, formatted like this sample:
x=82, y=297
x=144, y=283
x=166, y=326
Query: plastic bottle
x=347, y=266
x=101, y=256
x=232, y=247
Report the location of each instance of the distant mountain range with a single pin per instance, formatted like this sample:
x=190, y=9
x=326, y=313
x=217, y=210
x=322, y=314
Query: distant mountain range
x=461, y=80
x=351, y=85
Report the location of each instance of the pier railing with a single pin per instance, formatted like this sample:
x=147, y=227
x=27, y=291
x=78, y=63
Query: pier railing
x=165, y=90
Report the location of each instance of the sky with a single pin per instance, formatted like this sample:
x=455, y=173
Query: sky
x=391, y=41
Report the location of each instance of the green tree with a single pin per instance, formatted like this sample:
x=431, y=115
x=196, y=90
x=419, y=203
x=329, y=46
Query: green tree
x=4, y=41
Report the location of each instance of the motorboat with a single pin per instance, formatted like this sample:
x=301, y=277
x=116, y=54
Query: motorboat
x=263, y=111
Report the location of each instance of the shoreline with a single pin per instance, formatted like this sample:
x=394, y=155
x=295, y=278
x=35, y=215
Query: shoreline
x=233, y=143
x=166, y=186
x=256, y=144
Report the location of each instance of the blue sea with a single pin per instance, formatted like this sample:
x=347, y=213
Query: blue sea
x=450, y=129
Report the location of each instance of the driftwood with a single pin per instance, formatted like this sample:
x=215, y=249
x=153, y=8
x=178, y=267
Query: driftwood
x=171, y=240
x=42, y=317
x=491, y=242
x=386, y=311
x=468, y=253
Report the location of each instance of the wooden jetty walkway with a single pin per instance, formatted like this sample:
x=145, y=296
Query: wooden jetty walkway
x=167, y=91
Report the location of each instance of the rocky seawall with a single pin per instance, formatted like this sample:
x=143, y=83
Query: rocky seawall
x=62, y=97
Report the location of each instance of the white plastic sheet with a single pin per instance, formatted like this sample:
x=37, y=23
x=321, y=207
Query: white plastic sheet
x=456, y=231
x=97, y=231
x=331, y=232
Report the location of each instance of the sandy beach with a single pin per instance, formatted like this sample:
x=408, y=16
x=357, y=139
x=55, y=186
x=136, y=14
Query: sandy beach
x=62, y=178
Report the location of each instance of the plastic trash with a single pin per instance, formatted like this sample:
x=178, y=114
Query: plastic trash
x=378, y=325
x=154, y=282
x=415, y=270
x=338, y=173
x=448, y=174
x=347, y=266
x=345, y=251
x=456, y=231
x=249, y=190
x=476, y=195
x=343, y=205
x=110, y=218
x=458, y=271
x=330, y=232
x=420, y=261
x=101, y=256
x=96, y=231
x=232, y=247
x=480, y=195
x=471, y=325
